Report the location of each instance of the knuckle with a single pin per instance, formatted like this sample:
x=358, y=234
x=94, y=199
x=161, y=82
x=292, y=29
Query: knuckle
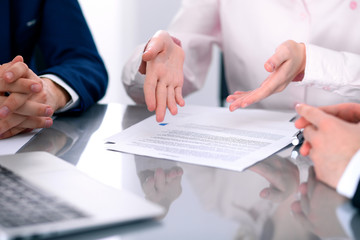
x=4, y=126
x=325, y=123
x=12, y=102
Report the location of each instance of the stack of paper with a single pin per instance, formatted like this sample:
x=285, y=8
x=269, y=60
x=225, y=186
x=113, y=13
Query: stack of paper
x=209, y=136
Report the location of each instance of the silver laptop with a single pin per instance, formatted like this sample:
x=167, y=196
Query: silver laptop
x=42, y=195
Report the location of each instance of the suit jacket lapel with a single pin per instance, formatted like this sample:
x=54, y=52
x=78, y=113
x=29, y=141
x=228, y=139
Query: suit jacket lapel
x=5, y=42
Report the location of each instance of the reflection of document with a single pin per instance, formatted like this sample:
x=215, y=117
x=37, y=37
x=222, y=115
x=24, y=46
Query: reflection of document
x=209, y=136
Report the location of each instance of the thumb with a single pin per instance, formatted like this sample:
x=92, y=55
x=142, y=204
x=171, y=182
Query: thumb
x=313, y=115
x=18, y=58
x=153, y=48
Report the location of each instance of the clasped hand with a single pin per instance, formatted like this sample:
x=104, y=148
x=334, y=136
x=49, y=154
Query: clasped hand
x=285, y=66
x=22, y=103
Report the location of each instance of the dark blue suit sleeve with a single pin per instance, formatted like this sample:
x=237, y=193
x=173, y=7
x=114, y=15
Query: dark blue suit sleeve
x=70, y=52
x=356, y=199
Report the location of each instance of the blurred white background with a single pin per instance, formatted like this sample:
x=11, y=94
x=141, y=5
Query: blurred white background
x=118, y=26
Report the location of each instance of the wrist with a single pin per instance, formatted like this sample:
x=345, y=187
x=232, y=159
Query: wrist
x=303, y=54
x=60, y=96
x=301, y=71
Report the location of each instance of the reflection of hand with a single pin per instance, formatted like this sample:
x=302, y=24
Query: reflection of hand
x=316, y=210
x=286, y=65
x=162, y=63
x=162, y=186
x=330, y=141
x=282, y=174
x=17, y=113
x=52, y=141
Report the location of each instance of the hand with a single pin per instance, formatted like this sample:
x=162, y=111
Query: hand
x=162, y=186
x=330, y=141
x=13, y=80
x=162, y=62
x=349, y=112
x=30, y=104
x=286, y=65
x=282, y=175
x=316, y=209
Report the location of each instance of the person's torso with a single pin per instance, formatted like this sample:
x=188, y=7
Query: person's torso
x=252, y=30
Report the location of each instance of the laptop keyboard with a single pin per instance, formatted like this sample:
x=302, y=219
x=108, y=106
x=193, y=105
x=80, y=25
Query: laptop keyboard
x=22, y=204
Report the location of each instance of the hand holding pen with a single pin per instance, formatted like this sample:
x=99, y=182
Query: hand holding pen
x=332, y=137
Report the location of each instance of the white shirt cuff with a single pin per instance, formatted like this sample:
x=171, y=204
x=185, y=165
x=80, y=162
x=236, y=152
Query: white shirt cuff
x=74, y=97
x=350, y=178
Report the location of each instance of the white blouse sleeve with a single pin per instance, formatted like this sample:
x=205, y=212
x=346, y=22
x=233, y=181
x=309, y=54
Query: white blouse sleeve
x=132, y=79
x=333, y=71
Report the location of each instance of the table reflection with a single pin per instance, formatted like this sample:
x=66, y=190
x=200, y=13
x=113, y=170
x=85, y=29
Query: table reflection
x=68, y=136
x=277, y=198
x=160, y=180
x=316, y=208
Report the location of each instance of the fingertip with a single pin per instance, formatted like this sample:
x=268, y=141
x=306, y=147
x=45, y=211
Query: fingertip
x=298, y=107
x=36, y=87
x=150, y=108
x=265, y=193
x=269, y=66
x=180, y=101
x=174, y=111
x=150, y=105
x=4, y=111
x=298, y=123
x=147, y=55
x=48, y=123
x=18, y=58
x=305, y=149
x=229, y=99
x=49, y=112
x=160, y=118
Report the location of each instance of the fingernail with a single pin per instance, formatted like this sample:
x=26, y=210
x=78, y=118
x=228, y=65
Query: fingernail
x=8, y=75
x=270, y=66
x=36, y=87
x=147, y=50
x=4, y=111
x=297, y=106
x=48, y=112
x=48, y=123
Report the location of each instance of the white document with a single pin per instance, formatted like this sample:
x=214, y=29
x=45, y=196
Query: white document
x=209, y=136
x=13, y=144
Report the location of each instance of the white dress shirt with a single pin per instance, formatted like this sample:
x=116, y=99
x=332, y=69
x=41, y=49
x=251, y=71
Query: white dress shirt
x=74, y=97
x=350, y=179
x=248, y=32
